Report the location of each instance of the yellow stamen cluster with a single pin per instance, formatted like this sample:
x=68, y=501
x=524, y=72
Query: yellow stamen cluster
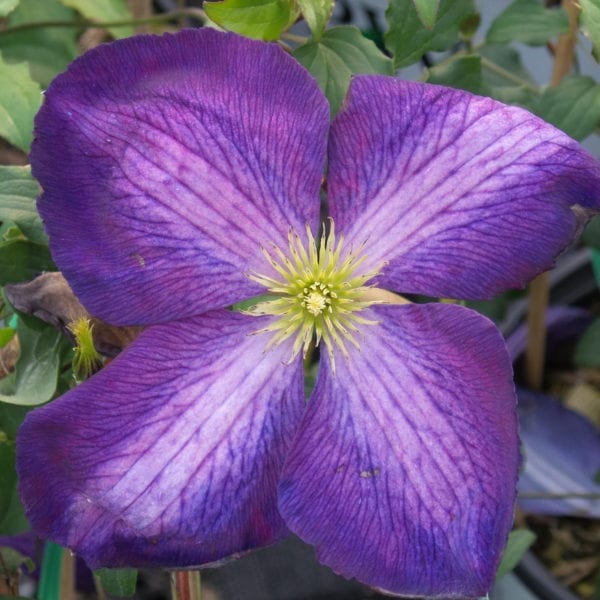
x=86, y=360
x=318, y=294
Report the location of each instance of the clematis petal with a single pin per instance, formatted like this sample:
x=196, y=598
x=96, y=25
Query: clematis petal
x=461, y=195
x=170, y=455
x=403, y=472
x=167, y=161
x=562, y=457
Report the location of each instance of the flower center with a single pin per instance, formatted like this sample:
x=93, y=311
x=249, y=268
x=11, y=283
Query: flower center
x=317, y=293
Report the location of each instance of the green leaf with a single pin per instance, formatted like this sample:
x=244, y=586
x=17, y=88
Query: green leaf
x=14, y=521
x=260, y=19
x=12, y=516
x=11, y=415
x=6, y=334
x=317, y=14
x=36, y=372
x=8, y=476
x=7, y=6
x=463, y=73
x=48, y=50
x=529, y=22
x=18, y=191
x=104, y=10
x=591, y=233
x=408, y=40
x=118, y=582
x=21, y=260
x=506, y=58
x=573, y=106
x=504, y=76
x=20, y=99
x=587, y=351
x=427, y=11
x=519, y=541
x=342, y=52
x=12, y=561
x=589, y=21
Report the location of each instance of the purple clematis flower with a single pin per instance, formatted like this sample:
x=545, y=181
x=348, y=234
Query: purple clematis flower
x=181, y=174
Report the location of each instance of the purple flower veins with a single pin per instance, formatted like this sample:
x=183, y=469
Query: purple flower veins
x=182, y=174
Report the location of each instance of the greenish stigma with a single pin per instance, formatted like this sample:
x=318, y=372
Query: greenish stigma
x=86, y=360
x=318, y=294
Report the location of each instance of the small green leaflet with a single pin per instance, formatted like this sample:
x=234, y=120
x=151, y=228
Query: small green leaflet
x=591, y=233
x=529, y=22
x=7, y=6
x=6, y=334
x=463, y=73
x=22, y=260
x=260, y=19
x=20, y=99
x=408, y=40
x=587, y=352
x=104, y=11
x=573, y=106
x=36, y=373
x=342, y=52
x=18, y=191
x=118, y=582
x=12, y=560
x=427, y=11
x=8, y=476
x=47, y=50
x=590, y=23
x=518, y=543
x=317, y=14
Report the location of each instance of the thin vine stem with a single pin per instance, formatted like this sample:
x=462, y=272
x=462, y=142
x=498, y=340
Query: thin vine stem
x=502, y=72
x=494, y=67
x=186, y=585
x=559, y=495
x=539, y=288
x=83, y=22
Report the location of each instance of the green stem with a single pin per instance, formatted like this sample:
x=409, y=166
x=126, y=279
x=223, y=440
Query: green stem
x=558, y=496
x=498, y=70
x=292, y=37
x=185, y=585
x=57, y=579
x=82, y=22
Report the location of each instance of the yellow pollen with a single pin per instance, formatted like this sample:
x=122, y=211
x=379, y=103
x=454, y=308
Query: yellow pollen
x=318, y=291
x=315, y=302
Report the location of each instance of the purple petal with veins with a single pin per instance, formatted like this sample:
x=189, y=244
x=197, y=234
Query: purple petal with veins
x=463, y=197
x=169, y=456
x=167, y=161
x=403, y=473
x=562, y=456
